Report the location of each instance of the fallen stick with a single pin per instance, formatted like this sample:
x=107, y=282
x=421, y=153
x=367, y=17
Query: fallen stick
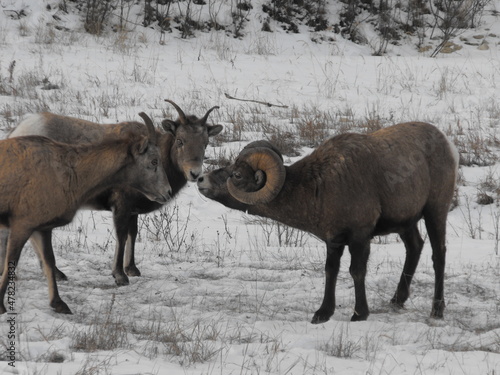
x=255, y=101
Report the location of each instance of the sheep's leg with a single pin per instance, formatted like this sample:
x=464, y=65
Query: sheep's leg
x=4, y=236
x=436, y=229
x=413, y=244
x=49, y=267
x=15, y=243
x=130, y=267
x=360, y=251
x=121, y=219
x=38, y=246
x=332, y=265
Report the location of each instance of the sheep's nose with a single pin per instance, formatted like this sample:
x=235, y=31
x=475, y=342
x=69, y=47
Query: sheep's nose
x=194, y=175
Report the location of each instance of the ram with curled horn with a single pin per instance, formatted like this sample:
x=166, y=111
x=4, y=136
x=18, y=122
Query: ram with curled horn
x=351, y=188
x=182, y=144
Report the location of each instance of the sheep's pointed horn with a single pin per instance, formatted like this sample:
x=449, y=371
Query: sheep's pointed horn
x=150, y=126
x=182, y=116
x=205, y=118
x=271, y=164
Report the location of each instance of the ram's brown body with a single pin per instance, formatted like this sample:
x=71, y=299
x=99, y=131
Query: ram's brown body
x=354, y=187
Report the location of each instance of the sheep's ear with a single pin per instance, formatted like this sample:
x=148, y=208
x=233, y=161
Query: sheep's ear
x=140, y=147
x=214, y=129
x=169, y=126
x=260, y=178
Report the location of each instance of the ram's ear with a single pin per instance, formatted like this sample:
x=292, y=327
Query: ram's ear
x=272, y=170
x=213, y=130
x=260, y=178
x=170, y=126
x=140, y=147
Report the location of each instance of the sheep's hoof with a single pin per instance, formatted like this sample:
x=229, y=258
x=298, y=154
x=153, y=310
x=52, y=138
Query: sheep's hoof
x=359, y=317
x=321, y=317
x=132, y=271
x=437, y=310
x=121, y=279
x=397, y=304
x=60, y=276
x=60, y=307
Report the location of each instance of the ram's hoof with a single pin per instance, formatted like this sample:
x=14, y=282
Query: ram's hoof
x=60, y=307
x=60, y=276
x=321, y=317
x=132, y=271
x=121, y=279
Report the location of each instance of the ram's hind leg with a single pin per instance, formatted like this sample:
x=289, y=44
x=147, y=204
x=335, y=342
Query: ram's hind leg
x=4, y=237
x=36, y=240
x=360, y=252
x=435, y=222
x=413, y=243
x=49, y=266
x=16, y=240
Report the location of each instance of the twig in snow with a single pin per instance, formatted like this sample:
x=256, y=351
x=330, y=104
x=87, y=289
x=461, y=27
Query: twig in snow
x=255, y=101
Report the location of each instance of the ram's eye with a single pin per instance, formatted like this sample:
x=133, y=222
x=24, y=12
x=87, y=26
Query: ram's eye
x=180, y=142
x=154, y=162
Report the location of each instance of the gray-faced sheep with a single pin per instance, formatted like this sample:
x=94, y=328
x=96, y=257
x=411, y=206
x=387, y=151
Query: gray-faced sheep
x=182, y=147
x=44, y=182
x=351, y=188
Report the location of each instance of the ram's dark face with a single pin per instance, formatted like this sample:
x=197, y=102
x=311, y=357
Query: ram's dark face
x=245, y=178
x=213, y=185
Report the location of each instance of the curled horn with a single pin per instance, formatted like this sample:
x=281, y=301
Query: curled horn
x=182, y=116
x=266, y=160
x=205, y=118
x=151, y=128
x=263, y=143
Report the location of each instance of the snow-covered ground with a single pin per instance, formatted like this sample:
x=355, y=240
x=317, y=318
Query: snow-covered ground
x=219, y=295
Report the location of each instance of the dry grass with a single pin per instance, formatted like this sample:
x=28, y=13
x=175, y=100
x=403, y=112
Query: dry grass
x=106, y=331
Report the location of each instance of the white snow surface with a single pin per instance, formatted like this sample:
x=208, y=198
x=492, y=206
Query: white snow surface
x=228, y=299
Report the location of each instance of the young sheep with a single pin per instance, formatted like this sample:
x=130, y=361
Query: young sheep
x=182, y=148
x=44, y=182
x=351, y=188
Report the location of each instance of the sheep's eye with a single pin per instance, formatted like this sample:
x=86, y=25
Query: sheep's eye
x=154, y=162
x=237, y=175
x=180, y=142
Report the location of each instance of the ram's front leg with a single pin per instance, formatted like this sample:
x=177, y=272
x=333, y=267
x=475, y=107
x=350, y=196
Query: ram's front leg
x=129, y=264
x=121, y=220
x=334, y=252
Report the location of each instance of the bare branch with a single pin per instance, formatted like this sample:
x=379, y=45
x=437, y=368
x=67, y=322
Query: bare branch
x=255, y=101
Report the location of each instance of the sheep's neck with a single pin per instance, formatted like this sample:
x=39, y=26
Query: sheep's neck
x=174, y=173
x=169, y=160
x=97, y=169
x=289, y=207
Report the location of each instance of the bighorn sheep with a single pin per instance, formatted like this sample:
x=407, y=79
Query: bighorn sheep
x=44, y=182
x=351, y=188
x=182, y=147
